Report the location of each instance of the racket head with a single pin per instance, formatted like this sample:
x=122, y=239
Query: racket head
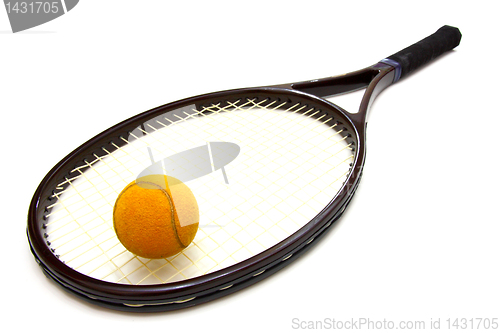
x=195, y=290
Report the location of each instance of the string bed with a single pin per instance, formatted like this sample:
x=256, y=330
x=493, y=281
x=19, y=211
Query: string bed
x=293, y=160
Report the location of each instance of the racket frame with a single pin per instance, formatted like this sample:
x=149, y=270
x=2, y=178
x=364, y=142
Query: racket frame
x=190, y=292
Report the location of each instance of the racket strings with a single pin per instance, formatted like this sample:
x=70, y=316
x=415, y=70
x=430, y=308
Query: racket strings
x=278, y=159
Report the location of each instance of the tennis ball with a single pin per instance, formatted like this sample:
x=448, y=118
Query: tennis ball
x=156, y=216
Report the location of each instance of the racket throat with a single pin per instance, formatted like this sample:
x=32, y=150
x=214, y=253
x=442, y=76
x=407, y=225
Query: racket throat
x=336, y=85
x=374, y=78
x=382, y=80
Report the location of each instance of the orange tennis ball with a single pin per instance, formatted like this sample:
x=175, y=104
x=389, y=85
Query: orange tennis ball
x=156, y=216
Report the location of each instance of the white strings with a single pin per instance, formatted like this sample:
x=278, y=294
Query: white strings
x=292, y=162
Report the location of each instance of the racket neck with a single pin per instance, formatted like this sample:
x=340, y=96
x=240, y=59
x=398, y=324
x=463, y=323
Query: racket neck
x=374, y=79
x=384, y=78
x=336, y=85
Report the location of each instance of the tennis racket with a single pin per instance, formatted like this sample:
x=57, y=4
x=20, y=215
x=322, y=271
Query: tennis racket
x=281, y=165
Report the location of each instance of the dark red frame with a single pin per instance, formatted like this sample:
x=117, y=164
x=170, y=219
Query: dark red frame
x=161, y=297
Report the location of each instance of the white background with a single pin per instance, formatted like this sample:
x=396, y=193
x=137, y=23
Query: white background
x=419, y=241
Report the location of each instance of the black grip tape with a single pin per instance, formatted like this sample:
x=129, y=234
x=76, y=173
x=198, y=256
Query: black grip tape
x=429, y=48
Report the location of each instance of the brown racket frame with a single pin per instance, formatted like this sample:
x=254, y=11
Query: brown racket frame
x=190, y=292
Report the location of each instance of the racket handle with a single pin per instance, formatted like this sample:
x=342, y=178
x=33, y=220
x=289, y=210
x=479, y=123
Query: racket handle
x=420, y=53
